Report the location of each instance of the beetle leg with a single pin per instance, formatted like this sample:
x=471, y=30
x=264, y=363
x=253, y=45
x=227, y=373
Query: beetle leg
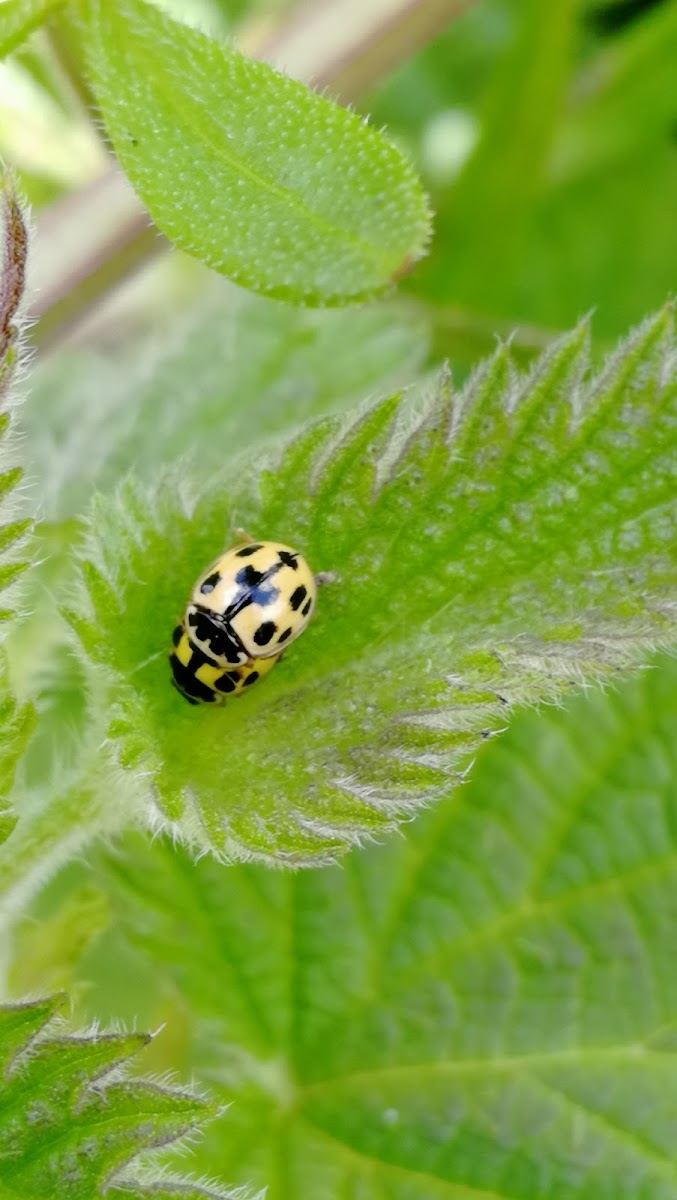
x=242, y=538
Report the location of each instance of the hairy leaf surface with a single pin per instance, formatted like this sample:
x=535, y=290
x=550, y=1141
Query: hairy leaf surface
x=246, y=169
x=484, y=1008
x=231, y=372
x=489, y=548
x=69, y=1121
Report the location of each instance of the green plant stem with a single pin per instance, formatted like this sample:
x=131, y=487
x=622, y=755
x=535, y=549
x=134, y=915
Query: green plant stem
x=107, y=236
x=59, y=32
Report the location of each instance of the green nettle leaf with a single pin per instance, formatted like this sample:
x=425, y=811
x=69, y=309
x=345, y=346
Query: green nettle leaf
x=490, y=548
x=69, y=1123
x=232, y=371
x=248, y=170
x=18, y=18
x=250, y=366
x=483, y=1010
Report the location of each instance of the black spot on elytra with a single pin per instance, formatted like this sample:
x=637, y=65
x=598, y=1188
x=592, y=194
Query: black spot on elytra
x=283, y=636
x=264, y=633
x=216, y=634
x=255, y=589
x=251, y=679
x=297, y=597
x=289, y=559
x=227, y=682
x=192, y=689
x=177, y=635
x=249, y=576
x=306, y=608
x=210, y=583
x=247, y=550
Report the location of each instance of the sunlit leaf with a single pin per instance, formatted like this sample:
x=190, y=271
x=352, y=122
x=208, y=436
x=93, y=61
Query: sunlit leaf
x=260, y=178
x=490, y=549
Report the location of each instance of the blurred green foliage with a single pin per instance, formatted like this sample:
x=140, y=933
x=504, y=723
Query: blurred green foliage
x=566, y=202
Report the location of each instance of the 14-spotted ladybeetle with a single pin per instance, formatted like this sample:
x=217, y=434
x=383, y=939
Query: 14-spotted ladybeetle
x=244, y=609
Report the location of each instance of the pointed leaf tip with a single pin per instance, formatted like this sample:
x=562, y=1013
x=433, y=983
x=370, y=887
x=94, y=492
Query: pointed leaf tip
x=74, y=1127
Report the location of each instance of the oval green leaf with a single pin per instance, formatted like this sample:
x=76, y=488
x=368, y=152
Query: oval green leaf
x=249, y=171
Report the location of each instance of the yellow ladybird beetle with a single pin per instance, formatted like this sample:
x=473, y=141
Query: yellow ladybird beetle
x=244, y=610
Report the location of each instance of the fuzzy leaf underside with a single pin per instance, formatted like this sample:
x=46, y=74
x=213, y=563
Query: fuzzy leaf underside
x=484, y=1008
x=231, y=371
x=18, y=18
x=490, y=548
x=69, y=1121
x=248, y=170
